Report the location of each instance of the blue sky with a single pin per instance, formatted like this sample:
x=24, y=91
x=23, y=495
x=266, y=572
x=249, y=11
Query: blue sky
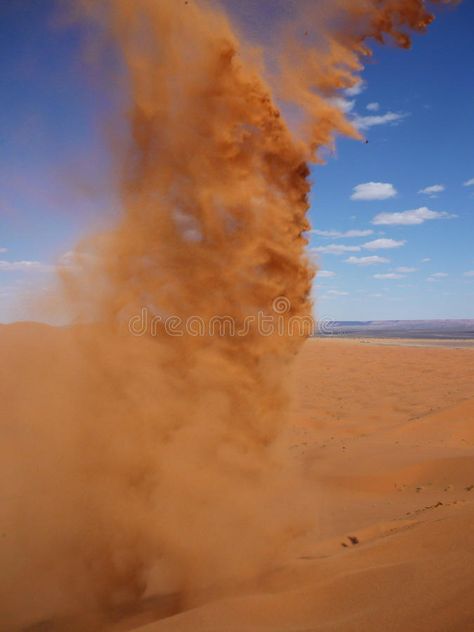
x=55, y=176
x=431, y=89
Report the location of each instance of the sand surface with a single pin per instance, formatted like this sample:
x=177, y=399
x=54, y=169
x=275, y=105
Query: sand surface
x=381, y=444
x=449, y=343
x=385, y=438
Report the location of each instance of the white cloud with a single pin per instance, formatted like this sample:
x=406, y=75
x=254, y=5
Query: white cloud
x=373, y=191
x=356, y=89
x=405, y=270
x=373, y=107
x=345, y=105
x=469, y=183
x=389, y=275
x=366, y=261
x=335, y=249
x=68, y=259
x=3, y=250
x=325, y=274
x=437, y=276
x=426, y=260
x=366, y=122
x=469, y=273
x=381, y=244
x=409, y=218
x=335, y=234
x=13, y=266
x=76, y=258
x=337, y=293
x=433, y=190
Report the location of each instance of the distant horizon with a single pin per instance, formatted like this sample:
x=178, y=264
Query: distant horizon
x=408, y=320
x=346, y=320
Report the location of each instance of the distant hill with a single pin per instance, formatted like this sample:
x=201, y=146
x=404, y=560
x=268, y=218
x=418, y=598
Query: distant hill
x=460, y=329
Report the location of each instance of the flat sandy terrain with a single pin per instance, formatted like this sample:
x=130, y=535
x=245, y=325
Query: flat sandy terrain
x=385, y=437
x=449, y=343
x=380, y=446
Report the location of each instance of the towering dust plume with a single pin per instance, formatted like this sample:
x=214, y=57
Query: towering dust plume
x=150, y=461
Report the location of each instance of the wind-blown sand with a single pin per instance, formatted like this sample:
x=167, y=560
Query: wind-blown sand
x=381, y=442
x=385, y=436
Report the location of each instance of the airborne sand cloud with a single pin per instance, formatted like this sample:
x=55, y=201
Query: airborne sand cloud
x=154, y=460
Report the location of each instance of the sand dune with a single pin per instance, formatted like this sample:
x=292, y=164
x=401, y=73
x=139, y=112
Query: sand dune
x=381, y=449
x=408, y=576
x=385, y=439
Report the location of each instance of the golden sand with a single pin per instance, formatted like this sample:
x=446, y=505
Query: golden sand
x=378, y=452
x=385, y=438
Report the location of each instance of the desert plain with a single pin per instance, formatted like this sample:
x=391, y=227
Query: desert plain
x=385, y=438
x=380, y=441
